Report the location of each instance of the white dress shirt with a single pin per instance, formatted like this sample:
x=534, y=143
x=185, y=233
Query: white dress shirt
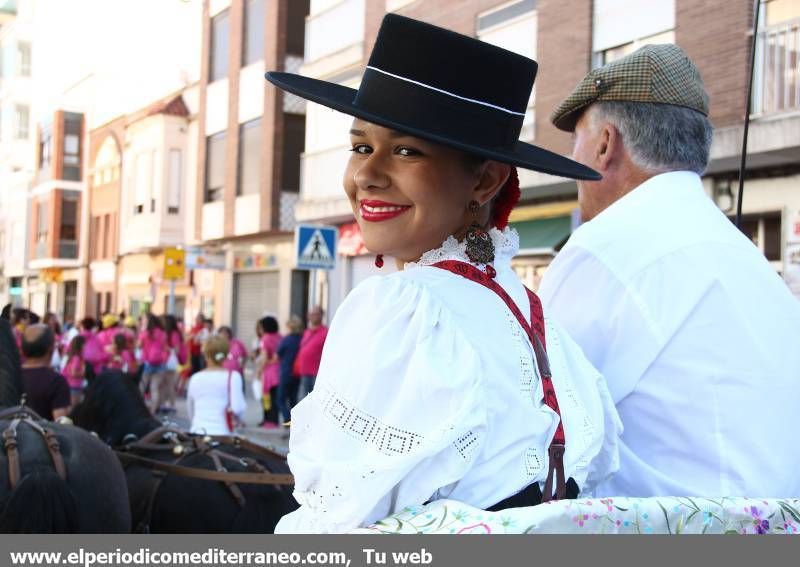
x=697, y=336
x=428, y=389
x=207, y=397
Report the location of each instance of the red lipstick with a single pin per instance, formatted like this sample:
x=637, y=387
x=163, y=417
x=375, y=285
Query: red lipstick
x=377, y=211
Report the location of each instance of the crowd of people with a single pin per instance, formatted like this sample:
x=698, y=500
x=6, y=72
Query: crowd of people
x=166, y=361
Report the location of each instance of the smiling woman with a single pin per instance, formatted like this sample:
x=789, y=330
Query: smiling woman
x=434, y=382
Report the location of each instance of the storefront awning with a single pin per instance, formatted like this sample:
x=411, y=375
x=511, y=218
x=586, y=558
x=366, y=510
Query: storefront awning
x=542, y=235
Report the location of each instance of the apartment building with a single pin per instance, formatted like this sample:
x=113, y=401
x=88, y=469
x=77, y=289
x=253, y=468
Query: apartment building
x=568, y=38
x=17, y=142
x=57, y=200
x=249, y=146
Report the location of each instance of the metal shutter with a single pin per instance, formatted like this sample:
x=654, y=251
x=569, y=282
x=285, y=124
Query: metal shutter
x=254, y=294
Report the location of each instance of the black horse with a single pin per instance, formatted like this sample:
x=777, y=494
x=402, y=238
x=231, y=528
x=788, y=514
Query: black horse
x=172, y=503
x=93, y=496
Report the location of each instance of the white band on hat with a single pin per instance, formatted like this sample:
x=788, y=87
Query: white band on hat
x=448, y=93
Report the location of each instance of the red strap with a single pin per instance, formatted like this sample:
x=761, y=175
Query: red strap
x=536, y=335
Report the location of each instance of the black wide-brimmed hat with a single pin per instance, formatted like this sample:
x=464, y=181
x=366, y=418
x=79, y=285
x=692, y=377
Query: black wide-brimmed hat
x=445, y=87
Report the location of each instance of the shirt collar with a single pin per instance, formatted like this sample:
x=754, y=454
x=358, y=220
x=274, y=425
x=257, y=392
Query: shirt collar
x=670, y=181
x=506, y=246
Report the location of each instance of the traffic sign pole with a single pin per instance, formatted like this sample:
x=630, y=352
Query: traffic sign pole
x=171, y=304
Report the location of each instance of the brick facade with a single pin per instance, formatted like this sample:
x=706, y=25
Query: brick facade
x=716, y=35
x=564, y=52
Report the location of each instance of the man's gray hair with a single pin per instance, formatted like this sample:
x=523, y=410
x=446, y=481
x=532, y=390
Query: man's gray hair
x=660, y=137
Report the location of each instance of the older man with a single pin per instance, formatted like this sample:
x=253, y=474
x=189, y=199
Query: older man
x=46, y=391
x=694, y=331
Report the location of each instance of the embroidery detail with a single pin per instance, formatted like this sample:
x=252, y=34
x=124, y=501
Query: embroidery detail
x=506, y=245
x=467, y=444
x=360, y=425
x=534, y=463
x=529, y=374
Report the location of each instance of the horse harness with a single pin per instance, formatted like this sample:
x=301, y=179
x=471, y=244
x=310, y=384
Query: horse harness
x=182, y=446
x=19, y=415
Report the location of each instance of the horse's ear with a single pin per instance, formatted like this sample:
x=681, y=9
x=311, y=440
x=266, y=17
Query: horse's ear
x=10, y=372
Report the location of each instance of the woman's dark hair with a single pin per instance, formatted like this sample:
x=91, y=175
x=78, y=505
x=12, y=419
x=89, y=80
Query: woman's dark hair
x=120, y=342
x=88, y=323
x=153, y=323
x=269, y=324
x=51, y=320
x=171, y=326
x=225, y=330
x=76, y=346
x=19, y=314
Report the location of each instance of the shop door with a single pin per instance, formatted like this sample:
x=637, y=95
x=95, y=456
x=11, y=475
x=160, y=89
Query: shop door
x=254, y=295
x=70, y=301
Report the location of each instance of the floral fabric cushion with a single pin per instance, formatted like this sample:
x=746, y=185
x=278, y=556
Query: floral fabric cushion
x=658, y=515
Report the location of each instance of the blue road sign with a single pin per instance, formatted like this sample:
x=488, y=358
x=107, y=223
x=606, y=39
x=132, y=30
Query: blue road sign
x=315, y=247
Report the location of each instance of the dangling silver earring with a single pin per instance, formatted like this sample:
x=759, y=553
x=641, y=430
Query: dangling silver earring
x=480, y=248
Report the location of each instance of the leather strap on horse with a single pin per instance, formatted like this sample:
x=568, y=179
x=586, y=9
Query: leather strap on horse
x=536, y=334
x=203, y=474
x=27, y=416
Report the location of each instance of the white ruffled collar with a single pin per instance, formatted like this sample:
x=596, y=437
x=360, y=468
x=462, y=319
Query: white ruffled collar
x=506, y=246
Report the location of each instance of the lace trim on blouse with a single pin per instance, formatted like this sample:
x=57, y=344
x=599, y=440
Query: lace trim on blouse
x=506, y=246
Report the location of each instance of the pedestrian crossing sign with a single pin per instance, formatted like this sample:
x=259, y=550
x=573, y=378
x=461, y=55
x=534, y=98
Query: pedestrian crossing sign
x=316, y=247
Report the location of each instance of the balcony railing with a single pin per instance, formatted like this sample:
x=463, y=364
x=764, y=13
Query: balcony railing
x=777, y=73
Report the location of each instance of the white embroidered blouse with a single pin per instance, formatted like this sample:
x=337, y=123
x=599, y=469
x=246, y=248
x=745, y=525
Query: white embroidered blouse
x=428, y=388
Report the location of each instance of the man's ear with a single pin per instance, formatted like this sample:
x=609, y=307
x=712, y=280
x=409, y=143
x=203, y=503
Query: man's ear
x=493, y=175
x=608, y=146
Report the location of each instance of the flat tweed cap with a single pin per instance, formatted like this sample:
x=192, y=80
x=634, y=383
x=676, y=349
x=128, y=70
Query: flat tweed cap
x=661, y=74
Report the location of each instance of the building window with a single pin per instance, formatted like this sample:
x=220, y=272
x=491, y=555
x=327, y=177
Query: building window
x=249, y=166
x=22, y=121
x=215, y=167
x=142, y=179
x=175, y=181
x=45, y=150
x=513, y=26
x=294, y=141
x=645, y=23
x=42, y=222
x=776, y=86
x=106, y=164
x=68, y=232
x=24, y=58
x=73, y=130
x=253, y=41
x=154, y=170
x=219, y=46
x=605, y=56
x=764, y=230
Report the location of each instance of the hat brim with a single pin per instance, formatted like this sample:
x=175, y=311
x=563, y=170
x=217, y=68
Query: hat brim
x=342, y=98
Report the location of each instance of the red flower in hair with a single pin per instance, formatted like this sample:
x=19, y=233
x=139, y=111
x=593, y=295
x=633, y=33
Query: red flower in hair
x=506, y=200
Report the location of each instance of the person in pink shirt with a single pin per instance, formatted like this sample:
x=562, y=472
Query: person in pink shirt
x=155, y=352
x=178, y=355
x=310, y=353
x=237, y=352
x=122, y=357
x=270, y=369
x=105, y=338
x=93, y=352
x=75, y=369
